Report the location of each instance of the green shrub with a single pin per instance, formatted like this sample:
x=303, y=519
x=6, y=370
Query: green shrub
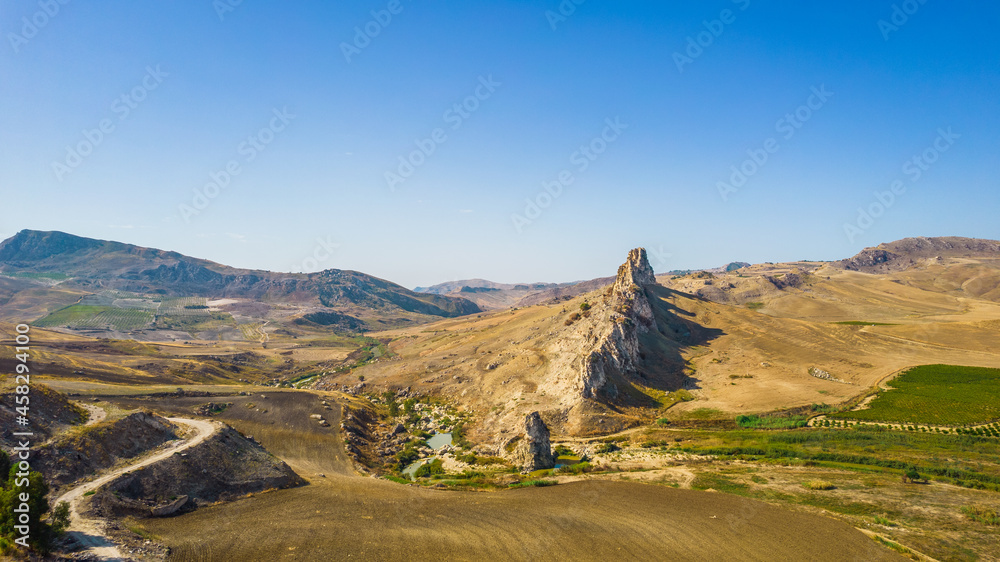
x=754, y=421
x=879, y=520
x=536, y=483
x=428, y=469
x=578, y=468
x=981, y=514
x=607, y=448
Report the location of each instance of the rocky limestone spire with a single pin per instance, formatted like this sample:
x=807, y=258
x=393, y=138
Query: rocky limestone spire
x=635, y=271
x=534, y=451
x=629, y=313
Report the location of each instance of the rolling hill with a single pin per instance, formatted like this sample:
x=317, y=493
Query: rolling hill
x=755, y=338
x=50, y=270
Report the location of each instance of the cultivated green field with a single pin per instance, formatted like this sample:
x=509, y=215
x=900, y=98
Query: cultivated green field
x=71, y=315
x=97, y=316
x=936, y=395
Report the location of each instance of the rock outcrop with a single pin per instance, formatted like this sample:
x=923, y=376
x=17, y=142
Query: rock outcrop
x=903, y=254
x=73, y=456
x=617, y=345
x=225, y=467
x=533, y=451
x=871, y=260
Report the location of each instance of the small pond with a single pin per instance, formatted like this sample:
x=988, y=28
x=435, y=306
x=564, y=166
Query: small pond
x=435, y=442
x=439, y=440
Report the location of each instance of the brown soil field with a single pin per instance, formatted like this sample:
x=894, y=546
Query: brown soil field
x=343, y=515
x=367, y=519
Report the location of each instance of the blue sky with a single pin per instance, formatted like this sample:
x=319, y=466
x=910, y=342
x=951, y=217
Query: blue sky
x=311, y=117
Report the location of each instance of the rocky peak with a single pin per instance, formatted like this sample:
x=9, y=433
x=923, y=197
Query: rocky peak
x=635, y=271
x=533, y=451
x=629, y=313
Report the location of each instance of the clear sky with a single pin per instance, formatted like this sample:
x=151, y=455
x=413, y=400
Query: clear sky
x=310, y=104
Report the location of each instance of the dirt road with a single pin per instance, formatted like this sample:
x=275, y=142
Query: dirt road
x=97, y=414
x=89, y=532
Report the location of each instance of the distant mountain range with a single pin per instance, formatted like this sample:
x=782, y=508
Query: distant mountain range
x=92, y=265
x=490, y=295
x=92, y=285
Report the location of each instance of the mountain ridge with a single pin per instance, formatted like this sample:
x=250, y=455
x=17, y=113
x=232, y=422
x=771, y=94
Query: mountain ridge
x=92, y=264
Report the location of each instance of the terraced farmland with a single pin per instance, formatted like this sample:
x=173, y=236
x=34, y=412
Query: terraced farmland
x=185, y=306
x=252, y=331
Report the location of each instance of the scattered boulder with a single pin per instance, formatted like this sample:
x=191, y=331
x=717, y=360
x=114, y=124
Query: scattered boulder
x=821, y=374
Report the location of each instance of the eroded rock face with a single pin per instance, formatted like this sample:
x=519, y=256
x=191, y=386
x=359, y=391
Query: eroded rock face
x=635, y=271
x=617, y=345
x=533, y=451
x=869, y=259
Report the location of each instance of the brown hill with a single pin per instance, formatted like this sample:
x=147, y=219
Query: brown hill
x=902, y=254
x=91, y=265
x=737, y=341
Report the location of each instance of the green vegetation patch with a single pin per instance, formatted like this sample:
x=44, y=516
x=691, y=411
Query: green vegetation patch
x=981, y=514
x=719, y=483
x=867, y=449
x=533, y=483
x=97, y=316
x=936, y=395
x=71, y=315
x=753, y=421
x=863, y=323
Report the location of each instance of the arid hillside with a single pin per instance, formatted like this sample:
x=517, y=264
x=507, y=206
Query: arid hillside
x=758, y=338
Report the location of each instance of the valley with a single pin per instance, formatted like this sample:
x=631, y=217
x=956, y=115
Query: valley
x=709, y=413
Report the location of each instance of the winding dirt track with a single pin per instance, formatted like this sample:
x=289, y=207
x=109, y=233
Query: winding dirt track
x=89, y=533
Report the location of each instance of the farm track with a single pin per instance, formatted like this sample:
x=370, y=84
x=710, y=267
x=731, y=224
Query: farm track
x=89, y=533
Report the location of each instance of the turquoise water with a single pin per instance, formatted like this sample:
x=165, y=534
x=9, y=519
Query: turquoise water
x=439, y=440
x=435, y=442
x=412, y=469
